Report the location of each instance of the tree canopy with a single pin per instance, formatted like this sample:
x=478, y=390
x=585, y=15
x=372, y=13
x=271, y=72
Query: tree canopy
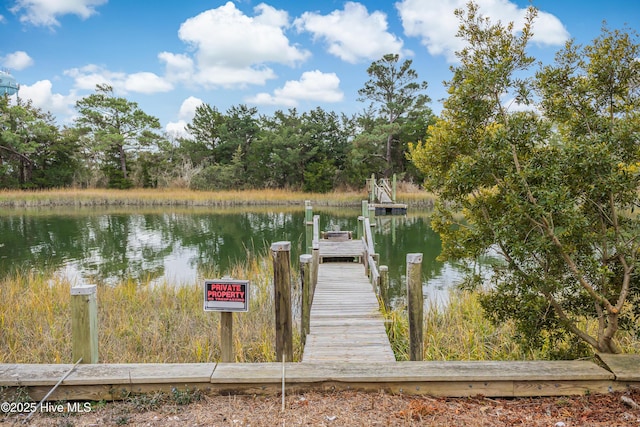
x=550, y=186
x=396, y=96
x=112, y=125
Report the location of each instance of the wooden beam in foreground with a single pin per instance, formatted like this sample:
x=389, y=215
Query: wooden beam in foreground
x=454, y=379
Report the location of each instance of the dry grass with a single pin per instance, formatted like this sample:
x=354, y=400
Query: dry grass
x=138, y=323
x=460, y=331
x=178, y=197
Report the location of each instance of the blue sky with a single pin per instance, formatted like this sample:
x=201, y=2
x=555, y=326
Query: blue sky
x=171, y=56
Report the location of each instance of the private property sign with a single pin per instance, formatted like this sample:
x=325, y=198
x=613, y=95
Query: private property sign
x=226, y=295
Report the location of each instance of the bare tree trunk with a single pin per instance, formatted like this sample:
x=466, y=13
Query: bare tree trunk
x=387, y=172
x=123, y=162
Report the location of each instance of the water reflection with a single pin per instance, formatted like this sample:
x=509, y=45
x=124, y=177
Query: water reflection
x=397, y=236
x=112, y=245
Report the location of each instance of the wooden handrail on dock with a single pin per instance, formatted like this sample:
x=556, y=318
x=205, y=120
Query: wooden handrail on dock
x=370, y=256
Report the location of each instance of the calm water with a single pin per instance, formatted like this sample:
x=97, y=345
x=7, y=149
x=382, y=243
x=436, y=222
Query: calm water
x=108, y=245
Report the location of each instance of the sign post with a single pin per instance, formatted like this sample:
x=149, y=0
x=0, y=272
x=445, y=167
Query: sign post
x=226, y=296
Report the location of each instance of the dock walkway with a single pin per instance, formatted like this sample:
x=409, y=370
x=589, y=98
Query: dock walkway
x=346, y=324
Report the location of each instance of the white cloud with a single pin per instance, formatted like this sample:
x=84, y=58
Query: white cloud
x=146, y=82
x=185, y=115
x=188, y=107
x=232, y=49
x=45, y=12
x=179, y=68
x=312, y=86
x=61, y=106
x=352, y=34
x=87, y=77
x=437, y=26
x=18, y=60
x=177, y=129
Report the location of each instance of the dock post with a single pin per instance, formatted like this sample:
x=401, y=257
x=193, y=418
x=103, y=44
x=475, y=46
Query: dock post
x=315, y=266
x=394, y=187
x=280, y=252
x=415, y=306
x=360, y=227
x=308, y=212
x=365, y=209
x=226, y=337
x=384, y=286
x=305, y=275
x=84, y=323
x=308, y=220
x=372, y=197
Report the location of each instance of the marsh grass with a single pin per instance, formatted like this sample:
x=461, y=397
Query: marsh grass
x=460, y=331
x=457, y=331
x=182, y=197
x=157, y=197
x=138, y=323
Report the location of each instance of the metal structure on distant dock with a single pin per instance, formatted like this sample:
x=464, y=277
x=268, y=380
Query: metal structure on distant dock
x=382, y=196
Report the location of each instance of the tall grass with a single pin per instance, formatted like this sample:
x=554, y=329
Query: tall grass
x=153, y=197
x=182, y=197
x=457, y=331
x=139, y=323
x=460, y=331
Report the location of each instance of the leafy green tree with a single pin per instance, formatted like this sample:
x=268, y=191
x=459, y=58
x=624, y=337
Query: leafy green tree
x=291, y=148
x=114, y=126
x=551, y=192
x=207, y=130
x=394, y=91
x=33, y=152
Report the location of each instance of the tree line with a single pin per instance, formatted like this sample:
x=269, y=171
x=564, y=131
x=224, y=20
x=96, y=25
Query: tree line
x=113, y=143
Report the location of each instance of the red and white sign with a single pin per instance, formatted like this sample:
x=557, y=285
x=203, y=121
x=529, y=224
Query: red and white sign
x=226, y=295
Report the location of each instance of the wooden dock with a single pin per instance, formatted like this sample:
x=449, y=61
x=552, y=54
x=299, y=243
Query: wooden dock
x=346, y=324
x=382, y=197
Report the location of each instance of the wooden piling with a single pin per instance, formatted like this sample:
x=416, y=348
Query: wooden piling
x=372, y=190
x=308, y=220
x=384, y=286
x=315, y=266
x=226, y=337
x=415, y=306
x=84, y=323
x=394, y=187
x=308, y=212
x=305, y=275
x=280, y=252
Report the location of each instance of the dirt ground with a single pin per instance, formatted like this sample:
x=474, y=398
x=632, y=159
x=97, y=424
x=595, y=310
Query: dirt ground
x=348, y=408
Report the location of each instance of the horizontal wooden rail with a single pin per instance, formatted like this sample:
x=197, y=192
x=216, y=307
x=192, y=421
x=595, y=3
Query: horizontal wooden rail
x=492, y=379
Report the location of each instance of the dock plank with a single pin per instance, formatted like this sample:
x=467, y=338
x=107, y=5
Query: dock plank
x=346, y=324
x=626, y=367
x=507, y=379
x=346, y=249
x=127, y=373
